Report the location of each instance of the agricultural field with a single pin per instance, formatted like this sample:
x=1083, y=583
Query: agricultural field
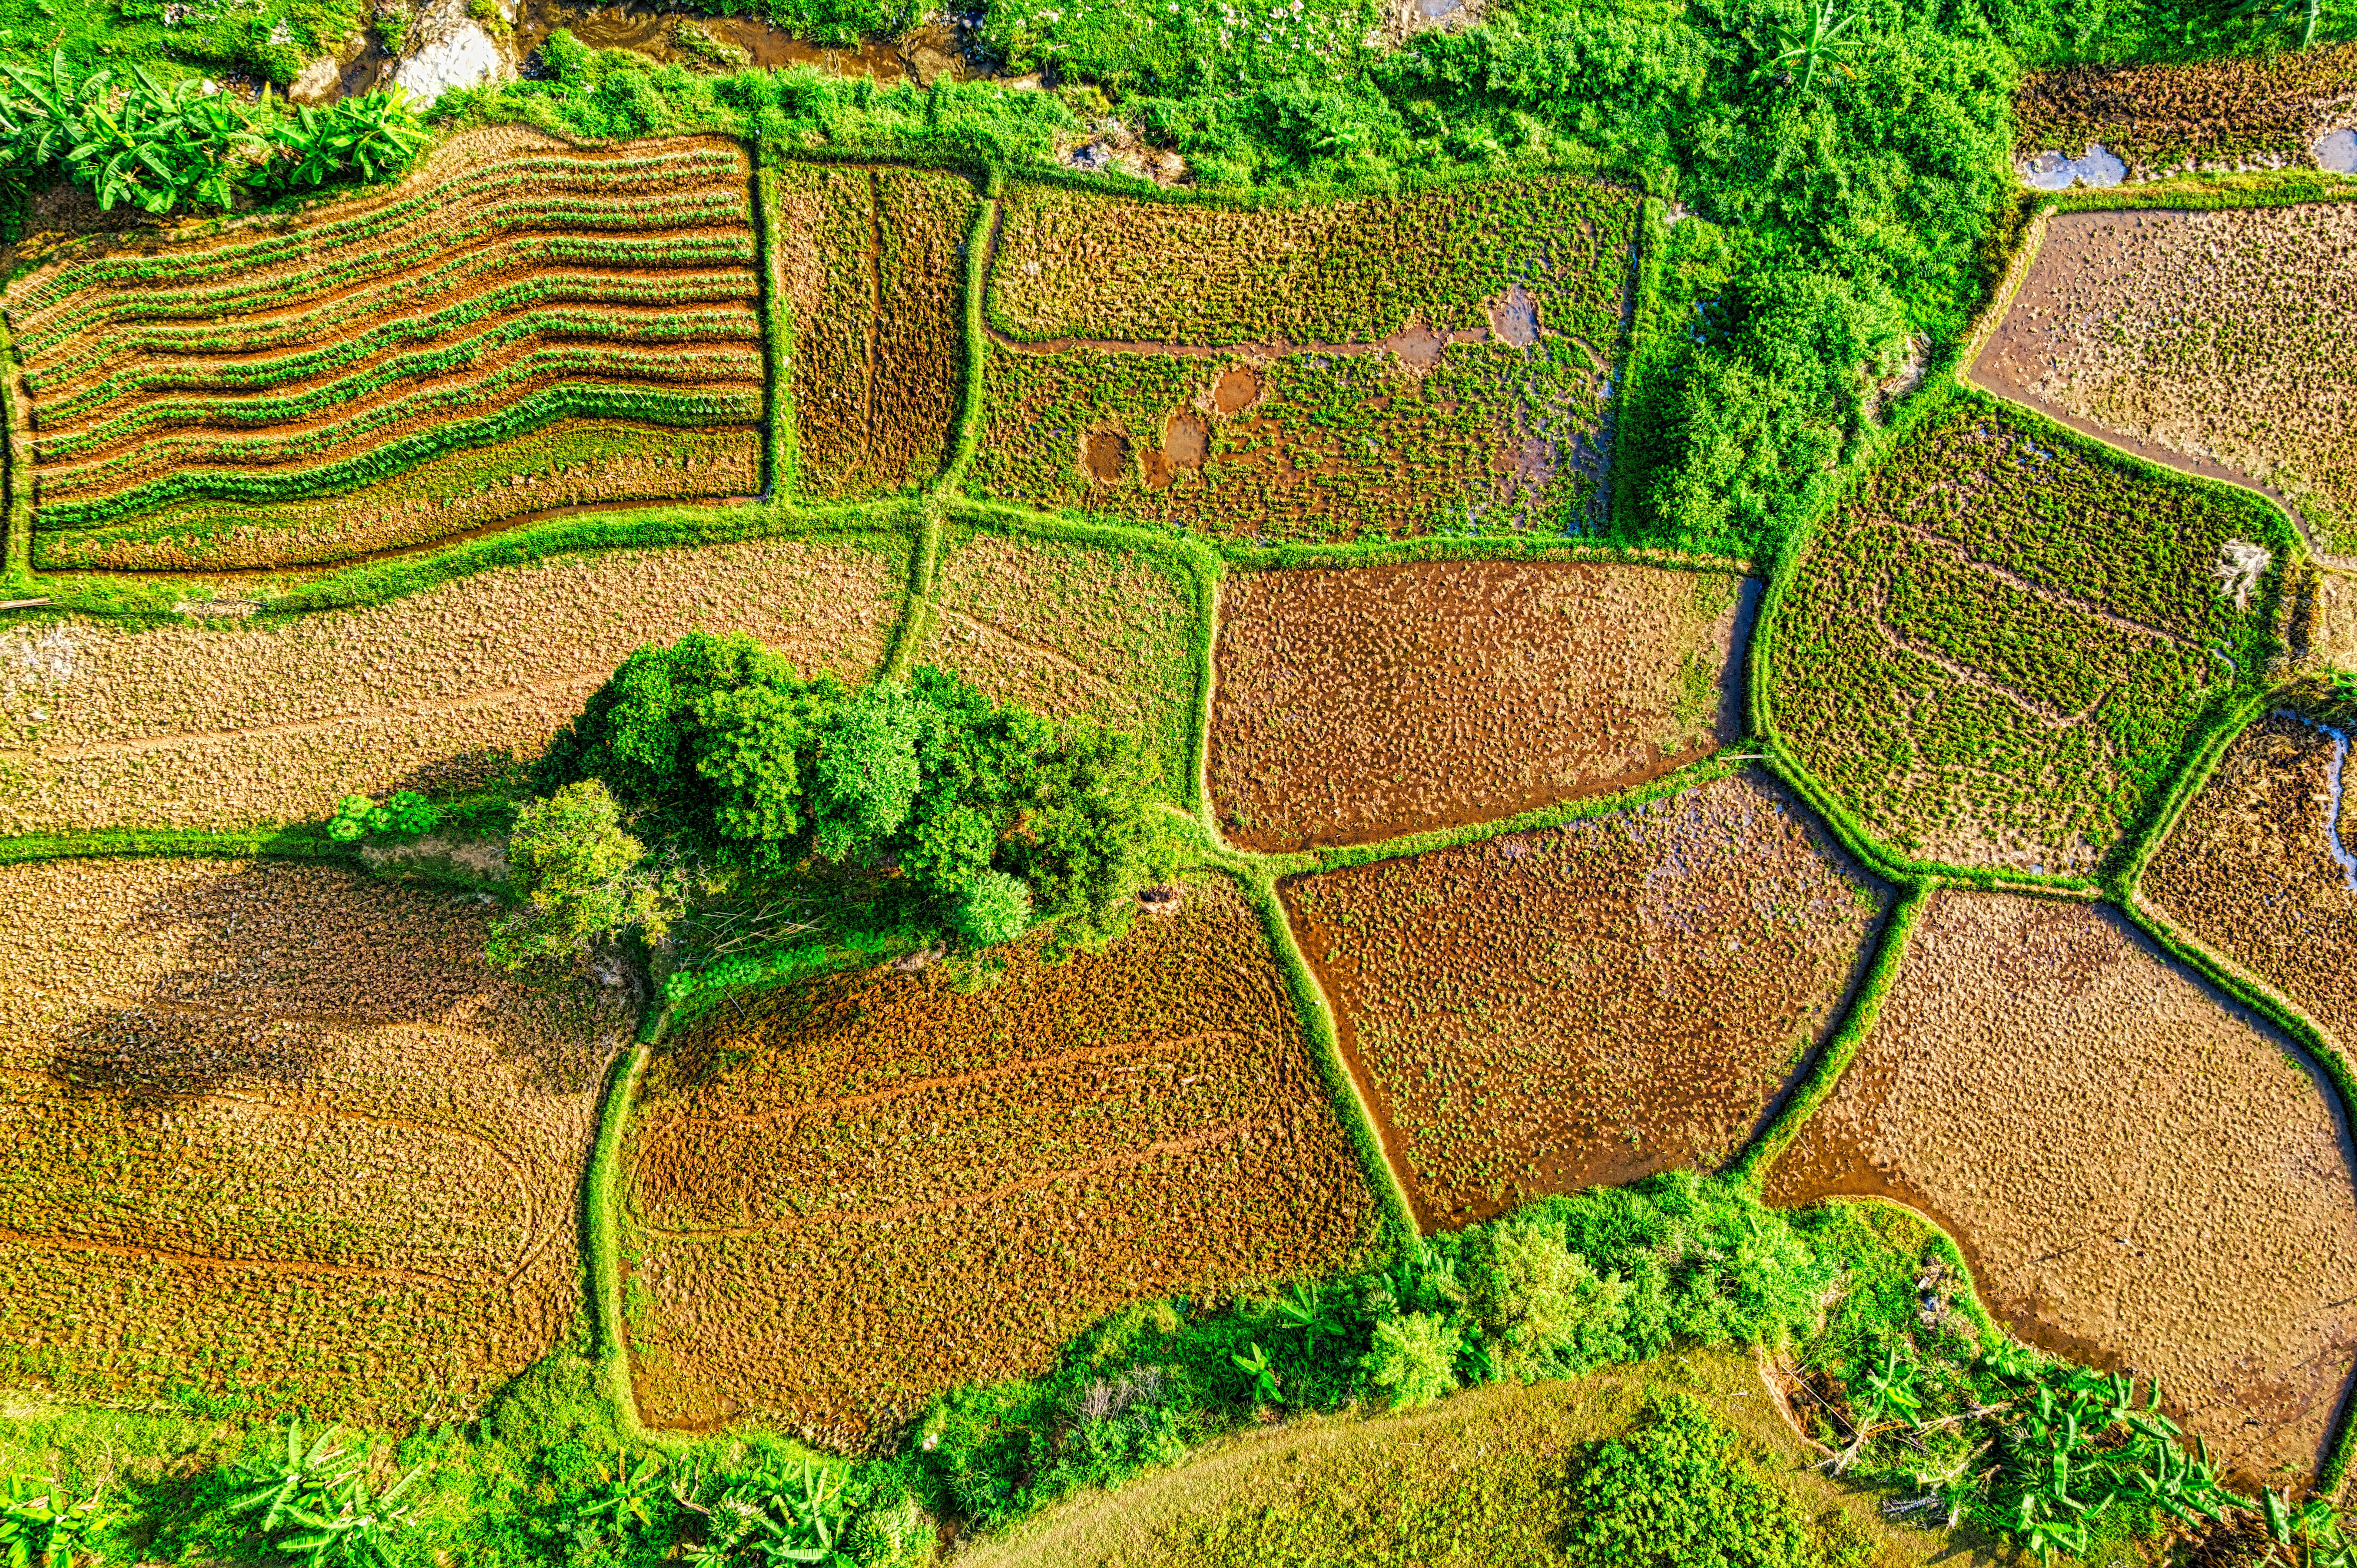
x=2139, y=1173
x=864, y=1191
x=1593, y=1002
x=276, y=1135
x=2217, y=342
x=2266, y=109
x=1357, y=704
x=223, y=724
x=518, y=328
x=872, y=269
x=2259, y=868
x=1074, y=630
x=1383, y=367
x=2001, y=642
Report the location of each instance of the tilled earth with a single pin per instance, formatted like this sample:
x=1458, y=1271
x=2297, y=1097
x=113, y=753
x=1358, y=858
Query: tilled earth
x=2141, y=1176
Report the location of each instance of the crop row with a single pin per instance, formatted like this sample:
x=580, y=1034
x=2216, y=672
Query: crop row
x=349, y=313
x=424, y=200
x=618, y=332
x=566, y=400
x=568, y=463
x=2263, y=107
x=1076, y=262
x=873, y=265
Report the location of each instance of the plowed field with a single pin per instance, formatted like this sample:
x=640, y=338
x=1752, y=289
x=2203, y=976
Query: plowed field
x=267, y=393
x=1070, y=628
x=183, y=726
x=1590, y=1004
x=2254, y=109
x=1998, y=647
x=1355, y=705
x=277, y=1131
x=878, y=1186
x=2218, y=342
x=1382, y=366
x=2140, y=1175
x=874, y=272
x=2257, y=868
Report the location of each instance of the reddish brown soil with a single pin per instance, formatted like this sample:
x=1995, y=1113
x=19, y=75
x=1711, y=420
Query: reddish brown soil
x=1360, y=704
x=1590, y=1004
x=2249, y=872
x=2140, y=1175
x=880, y=1186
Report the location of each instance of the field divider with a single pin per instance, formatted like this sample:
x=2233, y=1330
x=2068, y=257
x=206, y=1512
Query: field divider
x=602, y=1227
x=917, y=611
x=2249, y=989
x=1842, y=1045
x=981, y=247
x=781, y=451
x=1321, y=1022
x=16, y=464
x=299, y=840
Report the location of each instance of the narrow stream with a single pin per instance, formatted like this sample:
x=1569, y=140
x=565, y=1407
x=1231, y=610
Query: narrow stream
x=2335, y=774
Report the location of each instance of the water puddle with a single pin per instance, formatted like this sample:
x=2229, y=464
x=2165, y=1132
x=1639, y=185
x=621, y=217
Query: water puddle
x=1186, y=442
x=2052, y=171
x=921, y=57
x=1238, y=387
x=1514, y=317
x=2335, y=773
x=1106, y=455
x=2336, y=151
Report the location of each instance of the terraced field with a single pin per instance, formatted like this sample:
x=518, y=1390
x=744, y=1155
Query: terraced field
x=1380, y=367
x=2139, y=1173
x=877, y=1186
x=277, y=1133
x=1999, y=646
x=518, y=326
x=872, y=262
x=229, y=726
x=1588, y=1004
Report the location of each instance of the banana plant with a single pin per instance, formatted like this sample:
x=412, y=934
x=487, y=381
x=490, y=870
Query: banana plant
x=39, y=1525
x=276, y=1484
x=1894, y=1388
x=354, y=1536
x=1264, y=1382
x=623, y=1493
x=1305, y=1308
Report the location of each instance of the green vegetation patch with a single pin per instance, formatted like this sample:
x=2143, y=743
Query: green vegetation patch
x=2004, y=640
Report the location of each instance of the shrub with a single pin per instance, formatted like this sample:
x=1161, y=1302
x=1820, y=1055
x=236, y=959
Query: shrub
x=1674, y=1494
x=1543, y=1311
x=1414, y=1358
x=995, y=908
x=404, y=814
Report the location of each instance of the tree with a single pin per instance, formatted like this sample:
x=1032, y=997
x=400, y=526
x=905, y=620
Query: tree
x=993, y=908
x=1543, y=1311
x=581, y=875
x=1415, y=1357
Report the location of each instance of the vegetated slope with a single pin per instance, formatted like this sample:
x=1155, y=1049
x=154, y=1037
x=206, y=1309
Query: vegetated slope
x=226, y=725
x=879, y=1186
x=2256, y=868
x=1358, y=704
x=1486, y=1478
x=2238, y=108
x=2140, y=1175
x=2001, y=641
x=1589, y=1003
x=873, y=264
x=277, y=1133
x=518, y=326
x=1070, y=628
x=1381, y=366
x=2218, y=341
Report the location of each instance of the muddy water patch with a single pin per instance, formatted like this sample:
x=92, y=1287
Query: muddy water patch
x=1106, y=455
x=918, y=58
x=2335, y=152
x=2051, y=171
x=2335, y=772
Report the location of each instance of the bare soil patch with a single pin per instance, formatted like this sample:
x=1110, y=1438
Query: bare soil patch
x=228, y=726
x=2251, y=868
x=871, y=1188
x=1074, y=630
x=2140, y=1175
x=1355, y=704
x=2216, y=342
x=1589, y=1003
x=278, y=1132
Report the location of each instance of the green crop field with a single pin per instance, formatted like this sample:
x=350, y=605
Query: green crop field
x=1327, y=783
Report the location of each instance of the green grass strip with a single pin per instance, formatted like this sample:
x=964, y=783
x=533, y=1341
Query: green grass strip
x=601, y=1203
x=2204, y=752
x=1645, y=328
x=300, y=841
x=1317, y=1016
x=1510, y=546
x=917, y=609
x=967, y=437
x=783, y=454
x=2212, y=192
x=15, y=470
x=1841, y=1047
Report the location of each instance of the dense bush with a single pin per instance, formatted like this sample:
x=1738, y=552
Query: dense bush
x=1674, y=1494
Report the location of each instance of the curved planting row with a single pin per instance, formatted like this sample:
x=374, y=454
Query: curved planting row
x=267, y=396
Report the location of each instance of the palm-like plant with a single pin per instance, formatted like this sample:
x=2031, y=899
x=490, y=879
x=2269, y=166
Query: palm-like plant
x=40, y=1524
x=1822, y=33
x=1254, y=1361
x=275, y=1484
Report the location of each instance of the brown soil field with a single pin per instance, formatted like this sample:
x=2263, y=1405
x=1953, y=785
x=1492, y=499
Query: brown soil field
x=1589, y=1003
x=203, y=727
x=2251, y=870
x=2258, y=110
x=2141, y=1176
x=874, y=270
x=1074, y=630
x=1357, y=704
x=278, y=1130
x=2215, y=342
x=871, y=1188
x=510, y=283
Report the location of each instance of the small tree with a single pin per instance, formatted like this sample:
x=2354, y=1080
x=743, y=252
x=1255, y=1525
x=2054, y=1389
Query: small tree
x=582, y=875
x=1415, y=1357
x=995, y=908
